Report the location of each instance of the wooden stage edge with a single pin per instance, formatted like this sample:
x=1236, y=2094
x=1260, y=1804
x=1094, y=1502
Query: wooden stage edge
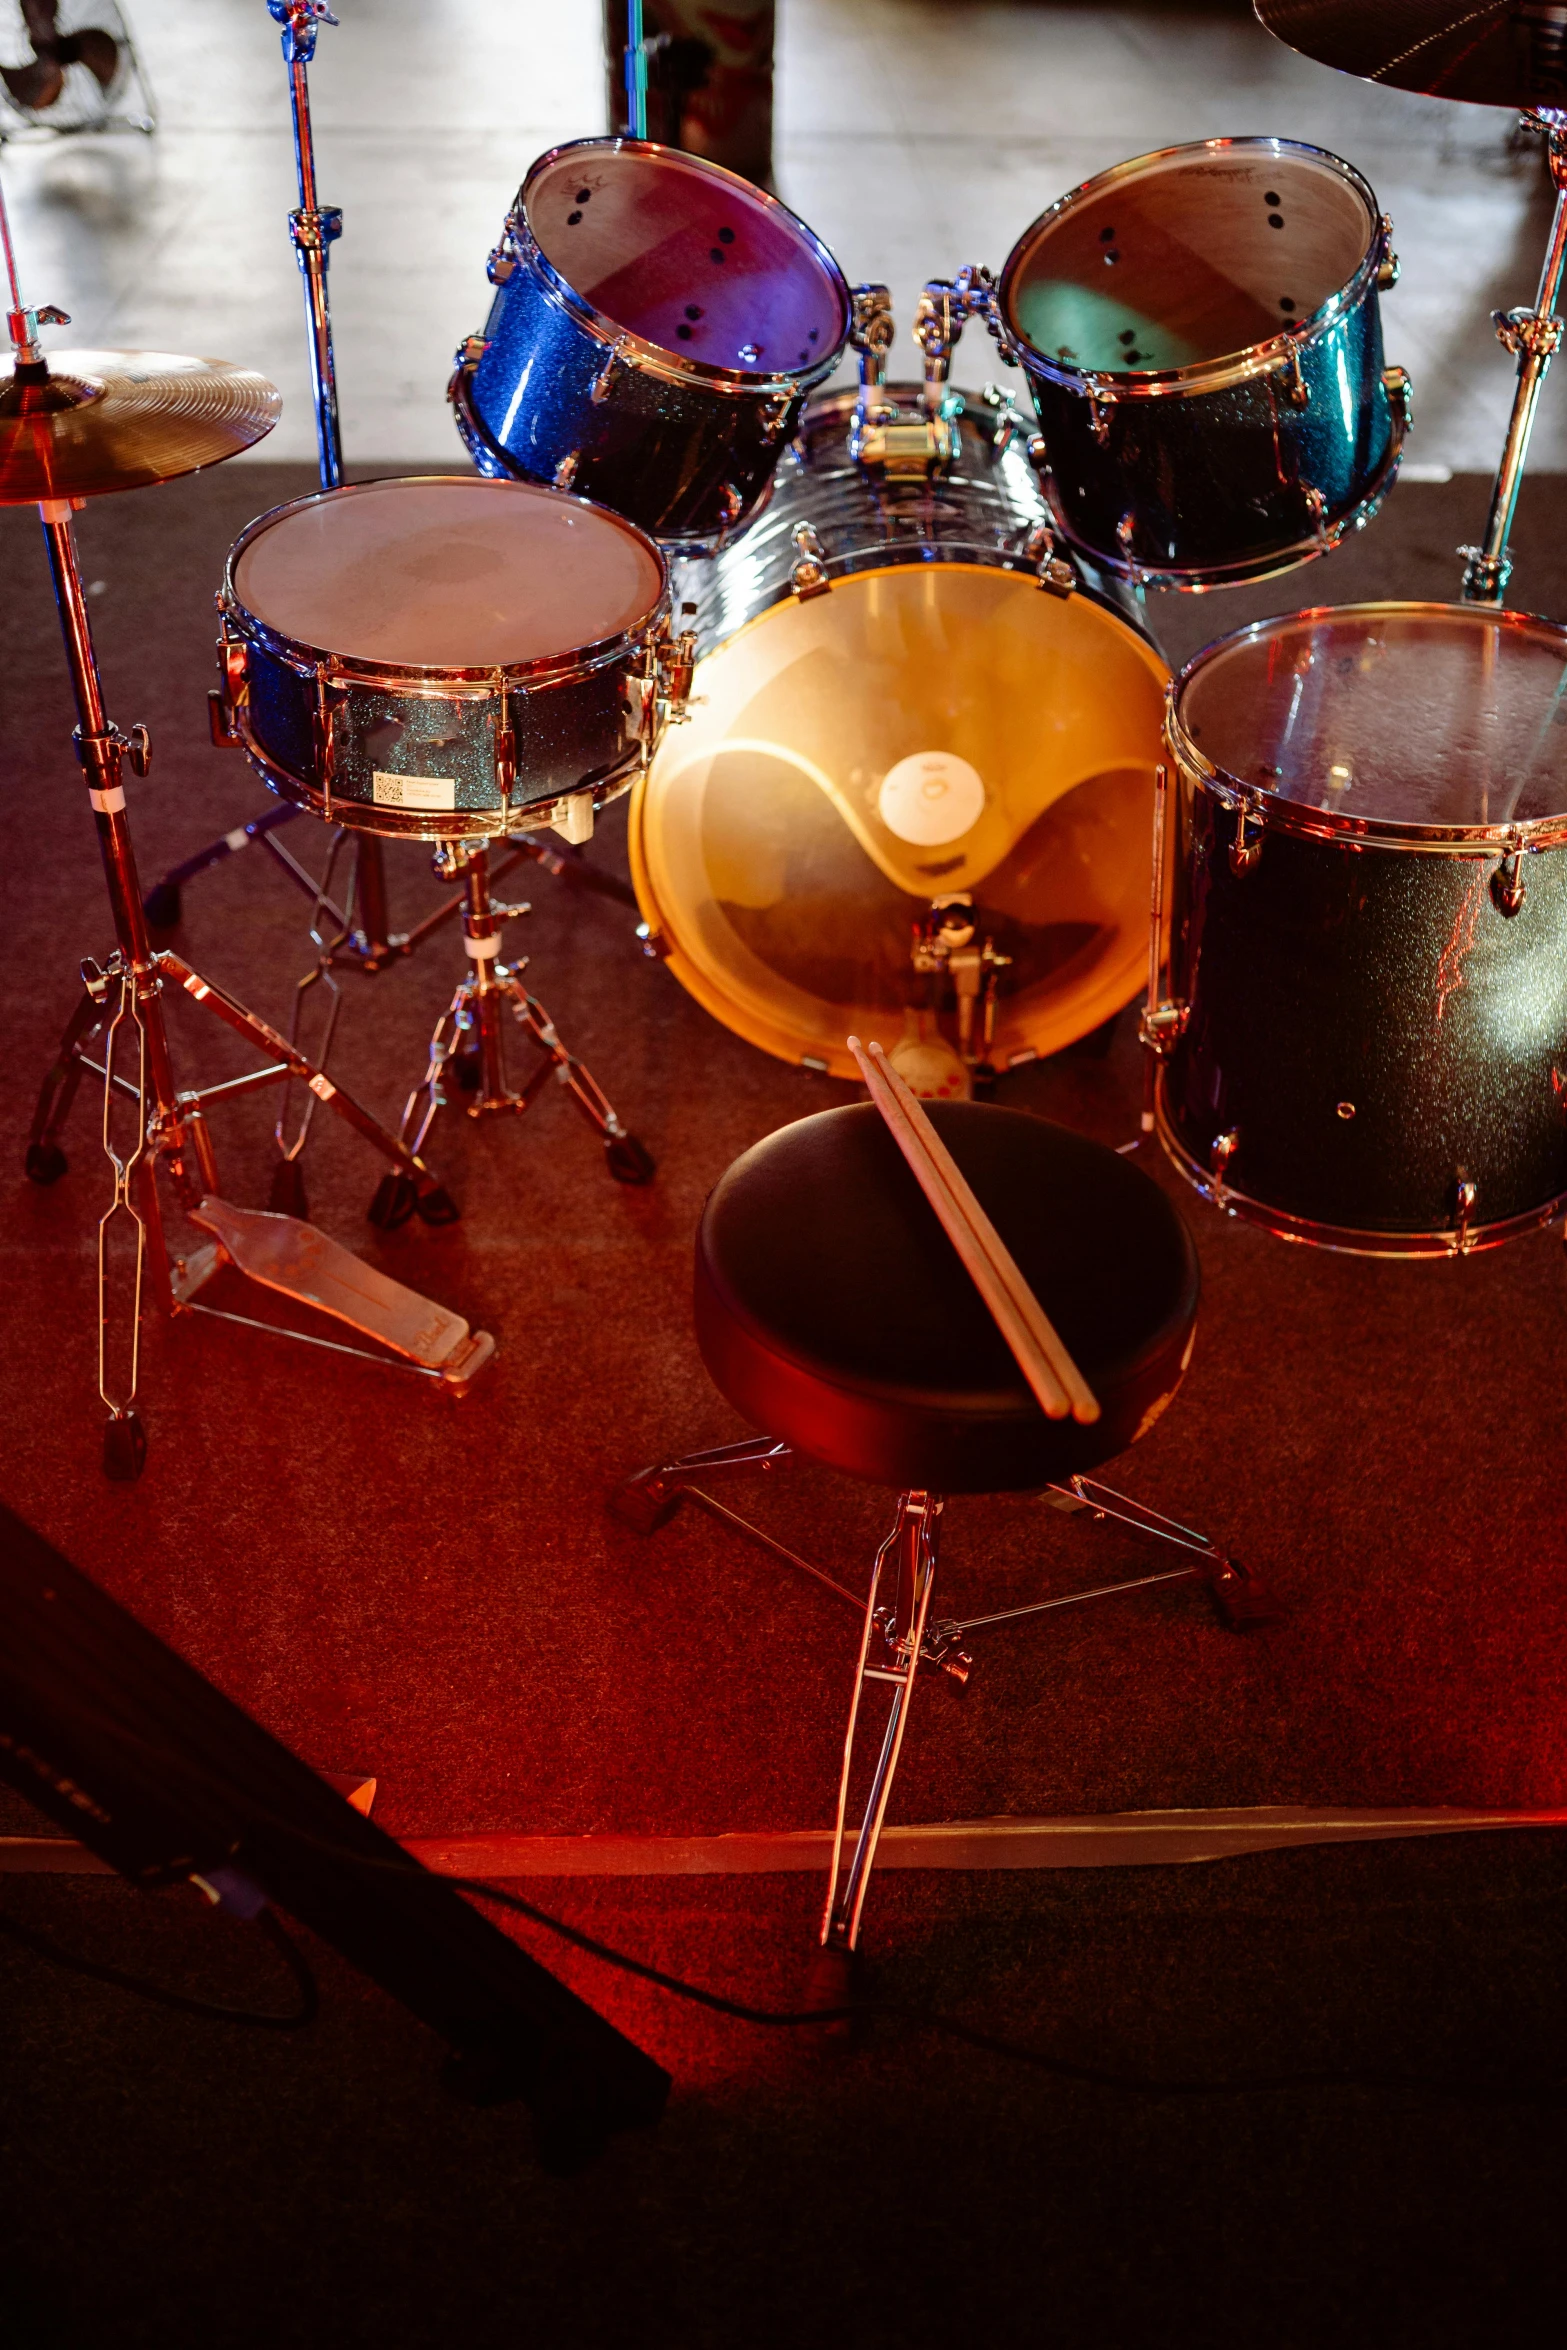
x=1132, y=1839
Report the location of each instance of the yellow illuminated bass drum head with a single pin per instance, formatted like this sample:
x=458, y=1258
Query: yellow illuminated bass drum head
x=917, y=731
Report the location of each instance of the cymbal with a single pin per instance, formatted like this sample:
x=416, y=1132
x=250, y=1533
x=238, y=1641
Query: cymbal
x=120, y=420
x=1491, y=52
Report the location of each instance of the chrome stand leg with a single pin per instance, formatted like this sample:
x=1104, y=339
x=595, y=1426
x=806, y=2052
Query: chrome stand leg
x=894, y=1632
x=1533, y=336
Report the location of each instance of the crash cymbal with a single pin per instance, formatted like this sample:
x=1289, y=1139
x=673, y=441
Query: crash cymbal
x=1495, y=53
x=120, y=420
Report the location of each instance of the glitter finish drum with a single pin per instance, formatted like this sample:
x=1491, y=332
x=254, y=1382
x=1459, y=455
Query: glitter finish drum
x=1202, y=336
x=1365, y=1042
x=657, y=326
x=446, y=658
x=918, y=777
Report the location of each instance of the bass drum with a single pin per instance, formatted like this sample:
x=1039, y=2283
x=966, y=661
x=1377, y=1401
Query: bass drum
x=917, y=786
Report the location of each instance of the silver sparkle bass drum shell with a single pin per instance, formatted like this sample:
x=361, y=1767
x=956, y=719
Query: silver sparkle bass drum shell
x=917, y=781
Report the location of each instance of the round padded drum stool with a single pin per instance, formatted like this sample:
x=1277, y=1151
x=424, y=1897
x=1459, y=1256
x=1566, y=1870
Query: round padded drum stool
x=834, y=1313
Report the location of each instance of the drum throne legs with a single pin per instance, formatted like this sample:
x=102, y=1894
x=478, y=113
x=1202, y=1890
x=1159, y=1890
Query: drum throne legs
x=832, y=1312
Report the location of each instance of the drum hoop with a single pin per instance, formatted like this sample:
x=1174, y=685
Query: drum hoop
x=1274, y=814
x=1345, y=1239
x=651, y=358
x=1110, y=387
x=531, y=676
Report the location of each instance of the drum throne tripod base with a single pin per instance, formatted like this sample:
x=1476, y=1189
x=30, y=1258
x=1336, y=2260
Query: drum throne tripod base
x=832, y=1312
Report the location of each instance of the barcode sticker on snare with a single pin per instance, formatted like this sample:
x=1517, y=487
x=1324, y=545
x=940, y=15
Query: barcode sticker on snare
x=414, y=791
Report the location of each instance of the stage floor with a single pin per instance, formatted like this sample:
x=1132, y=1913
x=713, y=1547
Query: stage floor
x=435, y=1594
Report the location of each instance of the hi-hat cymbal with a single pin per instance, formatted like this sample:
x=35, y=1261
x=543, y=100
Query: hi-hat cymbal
x=1491, y=52
x=120, y=420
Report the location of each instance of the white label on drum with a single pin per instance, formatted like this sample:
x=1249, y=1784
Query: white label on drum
x=931, y=798
x=414, y=791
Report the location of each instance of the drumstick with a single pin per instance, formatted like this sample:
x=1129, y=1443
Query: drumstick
x=1085, y=1404
x=984, y=1254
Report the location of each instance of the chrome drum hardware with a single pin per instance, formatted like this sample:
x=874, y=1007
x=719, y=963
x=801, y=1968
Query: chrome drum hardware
x=657, y=326
x=1202, y=336
x=1364, y=1038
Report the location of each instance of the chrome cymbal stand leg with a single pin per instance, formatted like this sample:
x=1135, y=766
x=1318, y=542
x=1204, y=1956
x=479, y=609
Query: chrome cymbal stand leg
x=1533, y=336
x=891, y=1642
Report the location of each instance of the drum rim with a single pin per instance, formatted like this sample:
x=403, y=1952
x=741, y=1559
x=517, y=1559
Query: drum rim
x=1110, y=998
x=1110, y=387
x=1346, y=1239
x=546, y=670
x=652, y=358
x=1275, y=814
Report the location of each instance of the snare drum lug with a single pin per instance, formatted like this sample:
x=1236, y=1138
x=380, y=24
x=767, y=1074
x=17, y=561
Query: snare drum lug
x=1507, y=887
x=1099, y=405
x=220, y=722
x=775, y=415
x=1317, y=508
x=503, y=260
x=505, y=760
x=470, y=351
x=1389, y=267
x=1467, y=1194
x=1401, y=394
x=566, y=471
x=676, y=667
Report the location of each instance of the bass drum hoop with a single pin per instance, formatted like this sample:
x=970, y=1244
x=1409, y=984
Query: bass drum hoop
x=1111, y=993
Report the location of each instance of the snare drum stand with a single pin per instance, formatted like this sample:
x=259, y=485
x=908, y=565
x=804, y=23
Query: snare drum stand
x=359, y=934
x=1534, y=337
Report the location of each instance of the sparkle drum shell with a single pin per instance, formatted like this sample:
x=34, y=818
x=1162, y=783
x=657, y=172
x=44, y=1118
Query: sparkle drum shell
x=1368, y=944
x=442, y=657
x=657, y=326
x=933, y=721
x=1202, y=336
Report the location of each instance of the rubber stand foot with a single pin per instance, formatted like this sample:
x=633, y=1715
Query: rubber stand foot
x=286, y=1191
x=628, y=1160
x=394, y=1202
x=161, y=905
x=1242, y=1601
x=45, y=1162
x=643, y=1504
x=124, y=1448
x=438, y=1206
x=837, y=1981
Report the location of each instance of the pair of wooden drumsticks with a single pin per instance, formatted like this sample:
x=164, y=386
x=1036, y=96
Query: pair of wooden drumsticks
x=1041, y=1356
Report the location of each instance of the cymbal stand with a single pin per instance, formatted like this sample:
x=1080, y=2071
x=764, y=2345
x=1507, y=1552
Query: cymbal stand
x=1534, y=337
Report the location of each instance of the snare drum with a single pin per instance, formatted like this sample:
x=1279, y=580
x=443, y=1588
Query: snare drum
x=1201, y=332
x=1366, y=1035
x=656, y=328
x=918, y=776
x=444, y=657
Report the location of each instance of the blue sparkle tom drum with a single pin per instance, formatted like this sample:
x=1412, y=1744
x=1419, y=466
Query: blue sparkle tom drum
x=657, y=326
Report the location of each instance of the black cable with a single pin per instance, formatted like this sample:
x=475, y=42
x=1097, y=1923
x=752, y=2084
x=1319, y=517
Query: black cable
x=1550, y=2095
x=298, y=1965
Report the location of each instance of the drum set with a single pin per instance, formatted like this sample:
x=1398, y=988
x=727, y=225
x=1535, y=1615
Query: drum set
x=875, y=668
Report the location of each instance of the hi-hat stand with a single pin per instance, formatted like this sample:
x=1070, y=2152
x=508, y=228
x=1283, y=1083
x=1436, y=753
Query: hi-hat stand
x=1534, y=337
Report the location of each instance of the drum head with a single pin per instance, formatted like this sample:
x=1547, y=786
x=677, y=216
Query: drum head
x=1441, y=715
x=917, y=731
x=688, y=258
x=1188, y=257
x=447, y=573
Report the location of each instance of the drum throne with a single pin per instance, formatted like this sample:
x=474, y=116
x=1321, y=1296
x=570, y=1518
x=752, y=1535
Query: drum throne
x=834, y=1315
